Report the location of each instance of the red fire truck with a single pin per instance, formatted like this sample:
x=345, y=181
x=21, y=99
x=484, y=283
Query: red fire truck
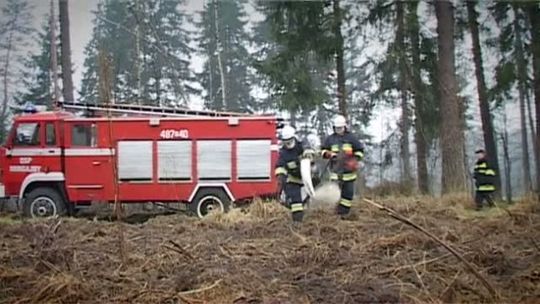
x=56, y=162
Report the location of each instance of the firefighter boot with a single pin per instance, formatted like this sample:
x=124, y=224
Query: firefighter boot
x=478, y=200
x=298, y=216
x=344, y=207
x=489, y=200
x=297, y=210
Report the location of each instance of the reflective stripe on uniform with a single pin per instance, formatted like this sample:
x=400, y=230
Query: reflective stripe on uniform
x=482, y=165
x=486, y=188
x=349, y=176
x=292, y=165
x=297, y=207
x=489, y=172
x=335, y=148
x=345, y=202
x=345, y=177
x=280, y=170
x=295, y=180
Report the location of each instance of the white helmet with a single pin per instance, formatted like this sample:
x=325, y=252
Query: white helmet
x=339, y=121
x=287, y=132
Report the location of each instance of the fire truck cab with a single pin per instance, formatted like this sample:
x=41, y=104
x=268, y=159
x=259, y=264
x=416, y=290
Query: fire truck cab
x=54, y=162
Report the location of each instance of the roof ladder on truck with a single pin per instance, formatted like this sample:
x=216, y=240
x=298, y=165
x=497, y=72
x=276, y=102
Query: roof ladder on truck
x=146, y=110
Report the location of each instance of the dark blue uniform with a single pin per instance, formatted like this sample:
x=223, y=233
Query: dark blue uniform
x=290, y=178
x=344, y=150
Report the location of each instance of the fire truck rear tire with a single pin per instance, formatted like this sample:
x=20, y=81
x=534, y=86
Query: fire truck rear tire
x=44, y=202
x=207, y=199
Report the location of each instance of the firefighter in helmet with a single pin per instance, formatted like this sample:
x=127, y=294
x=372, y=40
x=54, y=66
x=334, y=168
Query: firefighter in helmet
x=344, y=151
x=288, y=172
x=484, y=182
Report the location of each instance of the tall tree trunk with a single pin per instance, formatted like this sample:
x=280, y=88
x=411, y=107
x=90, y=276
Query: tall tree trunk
x=533, y=135
x=293, y=119
x=534, y=16
x=507, y=163
x=525, y=163
x=104, y=77
x=452, y=137
x=67, y=79
x=137, y=65
x=219, y=55
x=54, y=59
x=414, y=72
x=340, y=68
x=487, y=124
x=522, y=91
x=530, y=118
x=5, y=77
x=405, y=123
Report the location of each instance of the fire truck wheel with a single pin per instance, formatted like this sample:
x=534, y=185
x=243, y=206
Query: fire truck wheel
x=44, y=202
x=209, y=200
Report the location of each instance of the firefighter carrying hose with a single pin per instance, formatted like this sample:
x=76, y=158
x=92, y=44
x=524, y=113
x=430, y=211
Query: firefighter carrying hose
x=484, y=180
x=344, y=151
x=288, y=172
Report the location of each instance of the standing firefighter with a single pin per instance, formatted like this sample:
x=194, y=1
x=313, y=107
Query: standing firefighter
x=484, y=180
x=344, y=151
x=288, y=172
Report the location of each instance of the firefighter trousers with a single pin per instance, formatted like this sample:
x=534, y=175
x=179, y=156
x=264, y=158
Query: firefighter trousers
x=481, y=196
x=347, y=194
x=294, y=201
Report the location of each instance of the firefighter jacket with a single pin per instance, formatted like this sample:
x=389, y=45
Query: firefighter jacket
x=484, y=176
x=345, y=148
x=289, y=163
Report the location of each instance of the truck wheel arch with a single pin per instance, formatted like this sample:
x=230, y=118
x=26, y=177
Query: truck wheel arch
x=218, y=192
x=41, y=178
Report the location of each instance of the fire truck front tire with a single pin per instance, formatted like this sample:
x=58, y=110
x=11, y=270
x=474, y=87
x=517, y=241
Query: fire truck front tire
x=209, y=200
x=44, y=202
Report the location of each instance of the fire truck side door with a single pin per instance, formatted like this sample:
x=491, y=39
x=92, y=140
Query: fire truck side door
x=33, y=148
x=88, y=167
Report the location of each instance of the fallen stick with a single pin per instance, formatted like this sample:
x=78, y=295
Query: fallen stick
x=469, y=266
x=216, y=283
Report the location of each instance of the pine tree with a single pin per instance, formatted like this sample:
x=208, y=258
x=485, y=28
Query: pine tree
x=426, y=105
x=533, y=11
x=485, y=112
x=409, y=55
x=154, y=58
x=305, y=46
x=222, y=21
x=14, y=29
x=36, y=76
x=514, y=68
x=110, y=37
x=167, y=66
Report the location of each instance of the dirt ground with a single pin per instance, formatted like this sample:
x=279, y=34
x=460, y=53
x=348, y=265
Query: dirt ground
x=255, y=255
